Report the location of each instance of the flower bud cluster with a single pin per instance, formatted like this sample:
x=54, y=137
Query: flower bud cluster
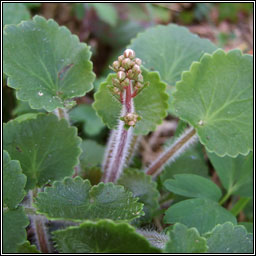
x=127, y=68
x=130, y=119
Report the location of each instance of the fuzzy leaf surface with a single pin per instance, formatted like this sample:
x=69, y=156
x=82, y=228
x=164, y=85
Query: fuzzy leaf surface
x=104, y=236
x=142, y=186
x=236, y=174
x=216, y=97
x=191, y=185
x=46, y=64
x=47, y=148
x=14, y=13
x=151, y=104
x=75, y=199
x=185, y=240
x=14, y=232
x=14, y=182
x=203, y=214
x=229, y=238
x=169, y=50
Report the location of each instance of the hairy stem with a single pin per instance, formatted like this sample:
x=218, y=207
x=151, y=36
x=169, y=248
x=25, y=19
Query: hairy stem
x=118, y=146
x=177, y=148
x=135, y=141
x=61, y=113
x=38, y=224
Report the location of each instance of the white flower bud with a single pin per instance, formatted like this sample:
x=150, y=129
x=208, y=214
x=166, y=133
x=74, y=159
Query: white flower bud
x=136, y=69
x=127, y=63
x=129, y=53
x=121, y=75
x=131, y=123
x=140, y=78
x=125, y=82
x=116, y=65
x=120, y=58
x=138, y=61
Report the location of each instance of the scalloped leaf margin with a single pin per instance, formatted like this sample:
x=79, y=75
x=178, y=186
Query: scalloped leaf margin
x=45, y=63
x=216, y=97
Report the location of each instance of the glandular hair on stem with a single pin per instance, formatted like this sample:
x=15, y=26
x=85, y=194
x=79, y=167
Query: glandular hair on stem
x=38, y=224
x=156, y=239
x=179, y=146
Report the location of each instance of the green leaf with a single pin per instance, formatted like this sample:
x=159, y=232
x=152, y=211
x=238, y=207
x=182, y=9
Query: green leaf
x=14, y=13
x=215, y=97
x=203, y=214
x=104, y=236
x=229, y=238
x=185, y=240
x=236, y=174
x=191, y=185
x=32, y=5
x=46, y=64
x=27, y=248
x=14, y=232
x=92, y=124
x=151, y=104
x=92, y=154
x=247, y=225
x=170, y=50
x=47, y=148
x=75, y=199
x=192, y=161
x=14, y=181
x=106, y=12
x=142, y=186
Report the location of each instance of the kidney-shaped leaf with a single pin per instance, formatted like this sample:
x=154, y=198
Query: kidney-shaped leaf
x=13, y=181
x=45, y=63
x=47, y=148
x=203, y=214
x=216, y=97
x=151, y=104
x=170, y=50
x=103, y=236
x=75, y=199
x=229, y=238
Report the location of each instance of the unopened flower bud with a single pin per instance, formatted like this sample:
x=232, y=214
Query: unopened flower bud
x=138, y=61
x=129, y=53
x=140, y=78
x=127, y=63
x=131, y=123
x=125, y=82
x=138, y=85
x=130, y=74
x=121, y=69
x=116, y=91
x=121, y=75
x=136, y=69
x=116, y=65
x=120, y=58
x=116, y=82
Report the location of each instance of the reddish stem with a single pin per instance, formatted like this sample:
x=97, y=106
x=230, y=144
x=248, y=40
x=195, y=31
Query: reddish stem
x=135, y=93
x=128, y=97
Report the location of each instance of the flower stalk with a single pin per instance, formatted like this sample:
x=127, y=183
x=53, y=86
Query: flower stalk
x=127, y=84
